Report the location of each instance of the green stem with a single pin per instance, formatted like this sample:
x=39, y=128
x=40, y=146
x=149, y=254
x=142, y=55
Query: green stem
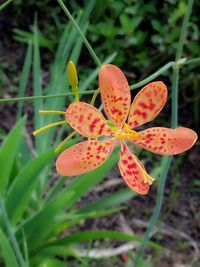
x=70, y=17
x=11, y=234
x=165, y=165
x=134, y=86
x=5, y=4
x=166, y=161
x=175, y=83
x=31, y=98
x=153, y=76
x=184, y=30
x=175, y=76
x=192, y=61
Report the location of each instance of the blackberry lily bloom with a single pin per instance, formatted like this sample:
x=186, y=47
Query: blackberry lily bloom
x=123, y=118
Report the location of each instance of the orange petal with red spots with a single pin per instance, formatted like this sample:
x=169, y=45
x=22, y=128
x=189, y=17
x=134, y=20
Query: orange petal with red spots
x=87, y=120
x=115, y=93
x=83, y=157
x=165, y=141
x=133, y=172
x=147, y=104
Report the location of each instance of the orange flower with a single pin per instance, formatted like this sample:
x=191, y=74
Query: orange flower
x=116, y=99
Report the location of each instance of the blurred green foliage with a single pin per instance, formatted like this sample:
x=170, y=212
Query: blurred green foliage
x=142, y=32
x=145, y=35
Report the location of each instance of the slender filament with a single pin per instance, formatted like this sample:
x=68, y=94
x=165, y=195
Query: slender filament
x=95, y=96
x=42, y=129
x=58, y=148
x=44, y=112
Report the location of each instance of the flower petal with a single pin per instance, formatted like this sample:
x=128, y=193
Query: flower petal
x=166, y=141
x=87, y=120
x=83, y=157
x=133, y=171
x=115, y=93
x=147, y=103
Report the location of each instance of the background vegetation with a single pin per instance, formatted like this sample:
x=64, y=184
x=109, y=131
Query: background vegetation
x=47, y=220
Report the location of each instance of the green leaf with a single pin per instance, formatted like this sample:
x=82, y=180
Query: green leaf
x=7, y=251
x=52, y=263
x=85, y=182
x=37, y=86
x=100, y=235
x=53, y=251
x=28, y=37
x=8, y=153
x=20, y=192
x=112, y=200
x=24, y=78
x=68, y=220
x=43, y=222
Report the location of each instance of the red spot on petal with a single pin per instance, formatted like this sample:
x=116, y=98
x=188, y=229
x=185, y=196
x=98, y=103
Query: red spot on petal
x=132, y=166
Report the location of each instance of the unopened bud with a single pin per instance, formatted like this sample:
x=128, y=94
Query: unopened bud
x=72, y=74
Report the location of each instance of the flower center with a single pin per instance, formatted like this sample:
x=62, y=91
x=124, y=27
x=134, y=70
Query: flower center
x=126, y=133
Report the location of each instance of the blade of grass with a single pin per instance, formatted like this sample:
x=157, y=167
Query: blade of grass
x=21, y=190
x=37, y=87
x=38, y=222
x=7, y=251
x=68, y=220
x=99, y=235
x=85, y=182
x=5, y=4
x=9, y=151
x=11, y=235
x=112, y=200
x=53, y=251
x=24, y=78
x=70, y=17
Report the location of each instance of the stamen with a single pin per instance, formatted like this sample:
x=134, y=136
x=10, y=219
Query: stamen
x=126, y=133
x=44, y=112
x=95, y=96
x=64, y=142
x=42, y=129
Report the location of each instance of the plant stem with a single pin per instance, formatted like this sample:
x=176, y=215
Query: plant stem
x=153, y=76
x=175, y=75
x=5, y=4
x=31, y=98
x=184, y=30
x=166, y=160
x=175, y=83
x=134, y=86
x=192, y=61
x=70, y=17
x=11, y=234
x=165, y=165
